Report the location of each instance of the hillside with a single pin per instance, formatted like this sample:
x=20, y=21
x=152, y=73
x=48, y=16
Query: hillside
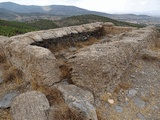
x=10, y=28
x=83, y=19
x=6, y=14
x=51, y=9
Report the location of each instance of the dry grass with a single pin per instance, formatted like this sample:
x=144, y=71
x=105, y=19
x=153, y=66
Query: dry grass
x=122, y=85
x=60, y=46
x=53, y=95
x=61, y=110
x=65, y=72
x=12, y=74
x=100, y=112
x=6, y=115
x=2, y=57
x=66, y=45
x=90, y=41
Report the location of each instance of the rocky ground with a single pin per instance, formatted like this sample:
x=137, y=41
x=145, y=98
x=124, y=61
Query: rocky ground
x=136, y=96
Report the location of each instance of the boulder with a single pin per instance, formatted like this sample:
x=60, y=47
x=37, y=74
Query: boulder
x=37, y=63
x=30, y=106
x=79, y=101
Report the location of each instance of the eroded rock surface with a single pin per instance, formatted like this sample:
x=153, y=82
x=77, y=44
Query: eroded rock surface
x=6, y=100
x=79, y=101
x=30, y=106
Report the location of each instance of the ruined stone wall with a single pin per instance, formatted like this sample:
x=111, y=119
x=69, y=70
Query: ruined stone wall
x=40, y=64
x=97, y=65
x=92, y=68
x=37, y=63
x=111, y=29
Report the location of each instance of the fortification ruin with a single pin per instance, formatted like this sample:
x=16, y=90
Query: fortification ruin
x=74, y=64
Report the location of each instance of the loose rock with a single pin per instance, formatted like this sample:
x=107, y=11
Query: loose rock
x=118, y=109
x=139, y=115
x=132, y=92
x=5, y=102
x=139, y=102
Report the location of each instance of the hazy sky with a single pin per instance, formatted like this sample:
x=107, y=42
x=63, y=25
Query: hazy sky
x=109, y=6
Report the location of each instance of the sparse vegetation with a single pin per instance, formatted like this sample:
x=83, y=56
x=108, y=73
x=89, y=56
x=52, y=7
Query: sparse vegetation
x=89, y=18
x=43, y=24
x=11, y=28
x=10, y=73
x=5, y=115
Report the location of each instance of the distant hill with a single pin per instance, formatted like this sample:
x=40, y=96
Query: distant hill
x=6, y=14
x=51, y=9
x=16, y=12
x=23, y=17
x=83, y=19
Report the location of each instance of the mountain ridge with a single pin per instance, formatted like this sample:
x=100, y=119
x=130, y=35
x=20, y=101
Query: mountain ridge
x=55, y=12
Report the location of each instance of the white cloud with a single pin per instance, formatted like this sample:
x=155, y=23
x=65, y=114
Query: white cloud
x=111, y=6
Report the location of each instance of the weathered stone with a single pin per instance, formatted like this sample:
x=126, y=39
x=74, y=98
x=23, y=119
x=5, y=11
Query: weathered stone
x=83, y=109
x=30, y=106
x=36, y=37
x=46, y=35
x=89, y=71
x=151, y=55
x=79, y=101
x=118, y=109
x=139, y=115
x=132, y=92
x=6, y=100
x=23, y=39
x=36, y=62
x=139, y=102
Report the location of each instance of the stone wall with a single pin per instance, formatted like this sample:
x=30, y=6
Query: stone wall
x=97, y=65
x=111, y=29
x=37, y=63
